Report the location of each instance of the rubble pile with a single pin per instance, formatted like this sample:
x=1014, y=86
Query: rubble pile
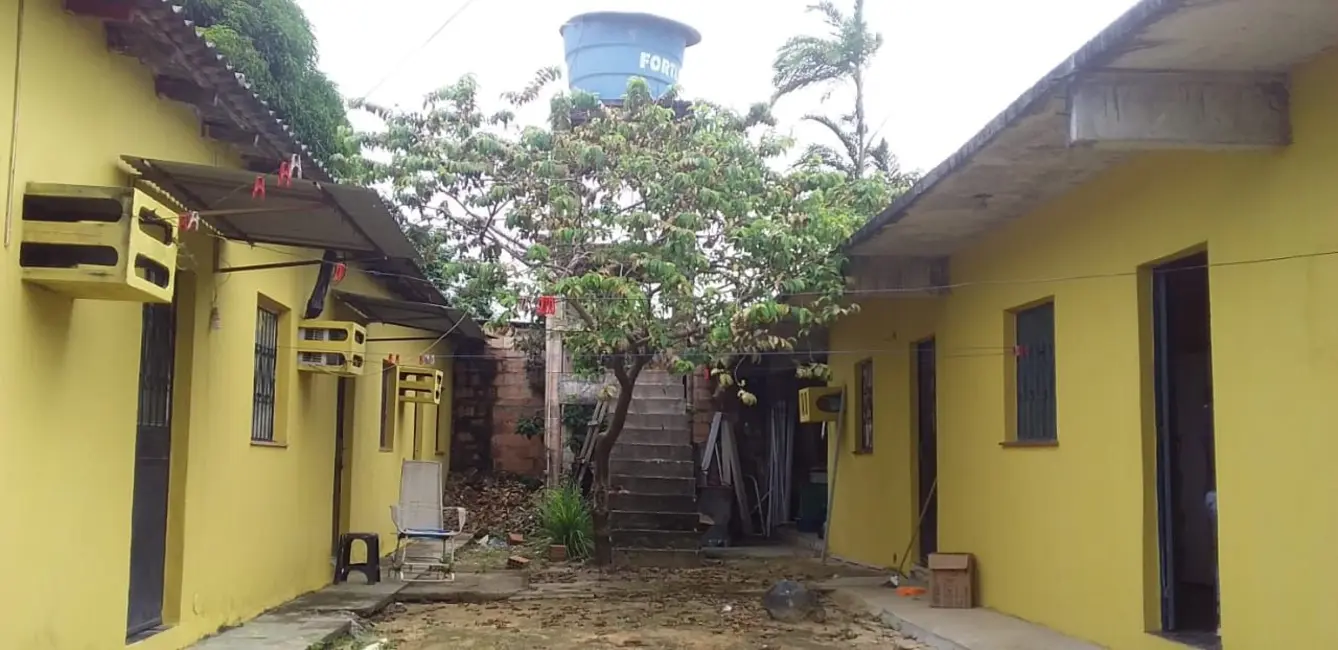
x=498, y=504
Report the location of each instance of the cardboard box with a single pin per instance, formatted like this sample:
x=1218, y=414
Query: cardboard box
x=952, y=580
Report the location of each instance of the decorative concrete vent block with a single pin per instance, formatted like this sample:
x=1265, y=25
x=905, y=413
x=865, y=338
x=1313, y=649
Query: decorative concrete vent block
x=331, y=347
x=420, y=384
x=819, y=404
x=99, y=243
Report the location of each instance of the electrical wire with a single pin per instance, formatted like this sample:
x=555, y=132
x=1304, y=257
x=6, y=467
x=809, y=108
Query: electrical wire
x=889, y=290
x=954, y=353
x=399, y=64
x=304, y=257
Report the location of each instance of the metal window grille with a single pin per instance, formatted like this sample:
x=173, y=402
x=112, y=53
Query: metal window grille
x=865, y=371
x=266, y=375
x=1035, y=353
x=387, y=404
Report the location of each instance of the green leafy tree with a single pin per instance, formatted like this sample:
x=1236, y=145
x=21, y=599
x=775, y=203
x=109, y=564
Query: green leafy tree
x=670, y=236
x=842, y=56
x=271, y=42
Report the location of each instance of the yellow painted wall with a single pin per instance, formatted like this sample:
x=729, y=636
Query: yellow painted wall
x=887, y=477
x=1066, y=536
x=249, y=526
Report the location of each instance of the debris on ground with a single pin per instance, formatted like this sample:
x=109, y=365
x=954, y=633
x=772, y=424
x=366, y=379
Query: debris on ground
x=499, y=504
x=686, y=609
x=515, y=539
x=517, y=562
x=790, y=602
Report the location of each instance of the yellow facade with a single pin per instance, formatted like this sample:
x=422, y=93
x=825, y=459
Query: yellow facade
x=1066, y=536
x=249, y=526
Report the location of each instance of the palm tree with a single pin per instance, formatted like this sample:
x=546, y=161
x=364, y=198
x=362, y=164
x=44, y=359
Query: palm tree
x=839, y=57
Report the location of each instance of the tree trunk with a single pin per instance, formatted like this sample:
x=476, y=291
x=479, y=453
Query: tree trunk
x=600, y=458
x=861, y=124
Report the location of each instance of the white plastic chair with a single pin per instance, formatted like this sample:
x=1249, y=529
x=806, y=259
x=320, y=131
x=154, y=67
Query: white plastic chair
x=421, y=524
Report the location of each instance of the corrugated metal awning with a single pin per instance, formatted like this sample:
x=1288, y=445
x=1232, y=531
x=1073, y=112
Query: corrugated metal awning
x=310, y=214
x=418, y=315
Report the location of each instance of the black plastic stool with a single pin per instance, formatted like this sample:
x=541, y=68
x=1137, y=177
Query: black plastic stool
x=371, y=569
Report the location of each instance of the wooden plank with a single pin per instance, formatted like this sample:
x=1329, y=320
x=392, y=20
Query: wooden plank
x=711, y=441
x=736, y=472
x=113, y=10
x=185, y=91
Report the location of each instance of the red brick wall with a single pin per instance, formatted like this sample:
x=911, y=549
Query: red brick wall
x=517, y=398
x=703, y=407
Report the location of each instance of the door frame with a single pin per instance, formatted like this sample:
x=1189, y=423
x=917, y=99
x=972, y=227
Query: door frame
x=1165, y=487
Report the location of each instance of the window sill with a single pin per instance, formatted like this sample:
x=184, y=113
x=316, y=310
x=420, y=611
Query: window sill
x=269, y=443
x=386, y=450
x=1029, y=444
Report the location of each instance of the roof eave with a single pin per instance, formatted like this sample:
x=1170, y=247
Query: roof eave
x=1105, y=46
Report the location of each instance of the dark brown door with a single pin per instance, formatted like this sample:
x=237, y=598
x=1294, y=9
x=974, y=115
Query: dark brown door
x=153, y=447
x=926, y=379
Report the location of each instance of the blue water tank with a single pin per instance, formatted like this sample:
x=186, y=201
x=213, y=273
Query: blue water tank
x=606, y=49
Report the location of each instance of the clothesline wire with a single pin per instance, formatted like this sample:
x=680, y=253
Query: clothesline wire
x=960, y=352
x=882, y=291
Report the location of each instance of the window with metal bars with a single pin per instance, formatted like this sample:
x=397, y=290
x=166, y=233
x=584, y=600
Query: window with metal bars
x=864, y=373
x=266, y=375
x=1034, y=349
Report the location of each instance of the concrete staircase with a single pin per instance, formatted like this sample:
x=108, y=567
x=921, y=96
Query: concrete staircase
x=653, y=475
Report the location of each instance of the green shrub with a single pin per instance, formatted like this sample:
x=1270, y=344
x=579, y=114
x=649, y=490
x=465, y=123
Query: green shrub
x=564, y=517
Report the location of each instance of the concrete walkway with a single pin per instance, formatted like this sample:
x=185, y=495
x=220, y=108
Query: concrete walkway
x=319, y=616
x=308, y=620
x=955, y=629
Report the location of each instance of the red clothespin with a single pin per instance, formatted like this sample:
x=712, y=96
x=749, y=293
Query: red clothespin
x=295, y=166
x=285, y=174
x=1019, y=351
x=340, y=270
x=547, y=305
x=188, y=221
x=393, y=359
x=258, y=189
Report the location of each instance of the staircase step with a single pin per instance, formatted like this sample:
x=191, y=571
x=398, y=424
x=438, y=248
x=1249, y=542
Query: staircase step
x=655, y=485
x=652, y=467
x=680, y=503
x=649, y=538
x=658, y=406
x=672, y=421
x=625, y=450
x=637, y=435
x=671, y=390
x=642, y=520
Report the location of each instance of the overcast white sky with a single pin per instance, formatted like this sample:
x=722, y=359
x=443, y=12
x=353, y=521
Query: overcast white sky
x=947, y=68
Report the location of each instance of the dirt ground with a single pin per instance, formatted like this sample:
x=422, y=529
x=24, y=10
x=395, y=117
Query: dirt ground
x=712, y=608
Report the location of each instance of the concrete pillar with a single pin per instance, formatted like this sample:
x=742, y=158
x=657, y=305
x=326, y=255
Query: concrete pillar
x=553, y=367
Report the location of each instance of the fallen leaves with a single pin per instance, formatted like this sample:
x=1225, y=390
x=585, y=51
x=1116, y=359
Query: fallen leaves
x=498, y=504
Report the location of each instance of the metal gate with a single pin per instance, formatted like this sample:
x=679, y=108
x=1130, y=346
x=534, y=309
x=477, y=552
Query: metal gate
x=153, y=441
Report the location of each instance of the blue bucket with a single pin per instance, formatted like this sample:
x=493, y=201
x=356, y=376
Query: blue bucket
x=606, y=49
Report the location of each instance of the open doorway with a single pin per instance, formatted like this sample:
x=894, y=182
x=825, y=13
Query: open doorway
x=926, y=426
x=1186, y=480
